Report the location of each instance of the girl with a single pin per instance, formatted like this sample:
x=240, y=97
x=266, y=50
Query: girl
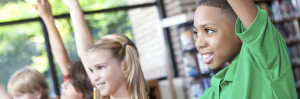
x=113, y=61
x=76, y=84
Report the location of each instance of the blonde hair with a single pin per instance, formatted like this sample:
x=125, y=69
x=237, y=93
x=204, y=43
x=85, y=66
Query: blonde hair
x=124, y=50
x=28, y=80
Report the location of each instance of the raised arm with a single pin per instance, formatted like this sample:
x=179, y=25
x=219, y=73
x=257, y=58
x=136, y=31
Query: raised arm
x=245, y=10
x=57, y=47
x=4, y=94
x=83, y=35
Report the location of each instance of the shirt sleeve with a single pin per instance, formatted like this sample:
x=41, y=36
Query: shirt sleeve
x=265, y=44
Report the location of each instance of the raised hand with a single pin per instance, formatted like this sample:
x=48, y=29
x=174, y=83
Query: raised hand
x=82, y=33
x=44, y=9
x=57, y=47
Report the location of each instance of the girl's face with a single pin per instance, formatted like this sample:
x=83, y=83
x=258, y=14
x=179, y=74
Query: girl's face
x=68, y=91
x=108, y=72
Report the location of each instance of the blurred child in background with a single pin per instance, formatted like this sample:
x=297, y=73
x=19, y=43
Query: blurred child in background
x=28, y=83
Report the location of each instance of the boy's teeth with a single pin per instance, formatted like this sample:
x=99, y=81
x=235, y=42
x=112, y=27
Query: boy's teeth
x=206, y=56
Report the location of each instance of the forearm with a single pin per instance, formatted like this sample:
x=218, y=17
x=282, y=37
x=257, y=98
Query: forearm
x=4, y=94
x=245, y=10
x=57, y=47
x=82, y=33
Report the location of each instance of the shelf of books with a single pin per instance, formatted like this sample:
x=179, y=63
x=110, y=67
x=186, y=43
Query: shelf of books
x=196, y=74
x=285, y=15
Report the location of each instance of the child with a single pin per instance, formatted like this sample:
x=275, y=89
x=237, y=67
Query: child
x=114, y=63
x=76, y=84
x=28, y=83
x=113, y=60
x=260, y=66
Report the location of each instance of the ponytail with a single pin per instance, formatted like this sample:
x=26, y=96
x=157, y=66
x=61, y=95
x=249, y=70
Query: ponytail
x=135, y=79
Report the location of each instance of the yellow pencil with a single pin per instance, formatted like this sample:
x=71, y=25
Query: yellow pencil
x=95, y=92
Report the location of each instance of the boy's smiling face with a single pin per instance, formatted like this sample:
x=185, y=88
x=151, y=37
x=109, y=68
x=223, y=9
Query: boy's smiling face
x=215, y=38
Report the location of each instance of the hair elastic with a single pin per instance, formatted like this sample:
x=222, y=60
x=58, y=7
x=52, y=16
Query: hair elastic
x=124, y=45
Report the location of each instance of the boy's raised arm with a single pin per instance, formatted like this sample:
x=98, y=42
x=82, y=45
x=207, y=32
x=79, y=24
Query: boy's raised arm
x=83, y=35
x=57, y=47
x=245, y=10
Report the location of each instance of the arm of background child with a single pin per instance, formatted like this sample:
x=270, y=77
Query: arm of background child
x=57, y=47
x=245, y=10
x=4, y=94
x=83, y=35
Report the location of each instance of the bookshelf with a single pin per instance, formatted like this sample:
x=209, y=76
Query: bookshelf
x=286, y=20
x=285, y=15
x=196, y=74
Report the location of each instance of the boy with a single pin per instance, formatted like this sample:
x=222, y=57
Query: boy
x=259, y=62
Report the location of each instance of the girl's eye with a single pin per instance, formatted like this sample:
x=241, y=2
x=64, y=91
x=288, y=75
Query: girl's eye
x=101, y=67
x=208, y=31
x=91, y=70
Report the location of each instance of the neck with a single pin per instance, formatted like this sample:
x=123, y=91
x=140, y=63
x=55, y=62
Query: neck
x=232, y=58
x=121, y=93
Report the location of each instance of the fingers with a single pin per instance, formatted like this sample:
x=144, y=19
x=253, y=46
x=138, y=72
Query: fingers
x=35, y=6
x=42, y=1
x=38, y=1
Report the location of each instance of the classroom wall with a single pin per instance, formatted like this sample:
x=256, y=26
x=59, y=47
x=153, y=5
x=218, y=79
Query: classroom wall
x=146, y=33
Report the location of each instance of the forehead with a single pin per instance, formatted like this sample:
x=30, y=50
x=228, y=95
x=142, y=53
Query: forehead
x=99, y=55
x=207, y=15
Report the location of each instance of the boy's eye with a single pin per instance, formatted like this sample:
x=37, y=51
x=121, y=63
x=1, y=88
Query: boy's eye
x=208, y=31
x=196, y=34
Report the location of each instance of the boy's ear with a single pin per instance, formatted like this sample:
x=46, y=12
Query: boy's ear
x=39, y=93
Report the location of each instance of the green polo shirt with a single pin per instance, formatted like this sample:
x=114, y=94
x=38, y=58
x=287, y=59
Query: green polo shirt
x=261, y=70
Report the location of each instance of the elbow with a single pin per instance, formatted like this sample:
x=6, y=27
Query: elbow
x=81, y=55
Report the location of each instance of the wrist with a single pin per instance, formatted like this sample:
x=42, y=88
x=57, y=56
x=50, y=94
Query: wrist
x=75, y=6
x=48, y=19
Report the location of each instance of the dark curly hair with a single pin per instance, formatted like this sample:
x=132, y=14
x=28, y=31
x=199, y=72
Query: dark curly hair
x=222, y=4
x=80, y=80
